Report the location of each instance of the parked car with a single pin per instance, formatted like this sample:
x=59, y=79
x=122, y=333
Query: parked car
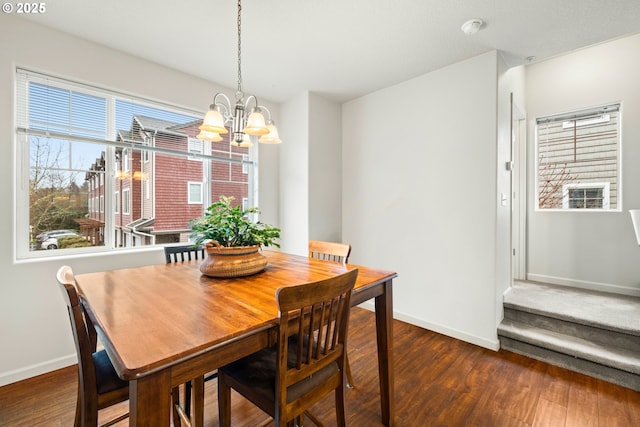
x=51, y=233
x=51, y=242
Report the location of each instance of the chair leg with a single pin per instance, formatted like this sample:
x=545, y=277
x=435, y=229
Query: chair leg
x=77, y=422
x=187, y=398
x=341, y=417
x=175, y=403
x=350, y=383
x=224, y=402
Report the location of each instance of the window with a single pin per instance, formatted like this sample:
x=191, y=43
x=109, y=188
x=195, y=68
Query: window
x=578, y=160
x=195, y=146
x=115, y=166
x=126, y=201
x=195, y=192
x=245, y=164
x=586, y=196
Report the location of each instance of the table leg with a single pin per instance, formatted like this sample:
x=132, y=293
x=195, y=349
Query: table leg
x=384, y=334
x=150, y=400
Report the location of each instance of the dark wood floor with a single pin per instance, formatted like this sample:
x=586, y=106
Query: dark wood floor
x=439, y=381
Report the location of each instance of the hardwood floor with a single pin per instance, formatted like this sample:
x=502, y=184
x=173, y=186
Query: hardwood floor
x=439, y=381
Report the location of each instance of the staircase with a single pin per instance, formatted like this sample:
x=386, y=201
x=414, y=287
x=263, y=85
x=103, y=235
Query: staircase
x=591, y=332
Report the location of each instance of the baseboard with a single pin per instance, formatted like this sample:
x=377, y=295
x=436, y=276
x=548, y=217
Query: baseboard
x=583, y=284
x=444, y=330
x=37, y=369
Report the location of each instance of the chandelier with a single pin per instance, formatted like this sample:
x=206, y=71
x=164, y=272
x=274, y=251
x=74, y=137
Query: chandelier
x=243, y=121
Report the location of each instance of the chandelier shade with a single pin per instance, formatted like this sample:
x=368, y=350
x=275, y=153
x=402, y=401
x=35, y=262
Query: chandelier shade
x=243, y=121
x=256, y=124
x=272, y=137
x=245, y=142
x=213, y=122
x=209, y=136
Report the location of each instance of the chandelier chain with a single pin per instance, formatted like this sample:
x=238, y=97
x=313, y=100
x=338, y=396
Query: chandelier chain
x=239, y=49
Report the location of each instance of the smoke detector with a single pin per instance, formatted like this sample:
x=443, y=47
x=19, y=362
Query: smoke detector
x=472, y=26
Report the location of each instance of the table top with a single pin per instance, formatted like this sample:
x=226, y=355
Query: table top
x=154, y=316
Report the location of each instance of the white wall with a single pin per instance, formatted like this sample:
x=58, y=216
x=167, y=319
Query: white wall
x=294, y=176
x=325, y=170
x=419, y=195
x=588, y=249
x=35, y=332
x=310, y=172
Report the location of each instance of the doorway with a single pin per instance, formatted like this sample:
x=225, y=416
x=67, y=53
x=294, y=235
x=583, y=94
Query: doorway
x=518, y=192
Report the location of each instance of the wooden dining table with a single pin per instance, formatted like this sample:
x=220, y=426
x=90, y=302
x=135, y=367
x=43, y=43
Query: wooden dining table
x=163, y=325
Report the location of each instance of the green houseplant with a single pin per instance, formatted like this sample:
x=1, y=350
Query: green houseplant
x=232, y=239
x=231, y=226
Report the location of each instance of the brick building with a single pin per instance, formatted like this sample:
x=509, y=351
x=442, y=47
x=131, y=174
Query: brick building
x=153, y=204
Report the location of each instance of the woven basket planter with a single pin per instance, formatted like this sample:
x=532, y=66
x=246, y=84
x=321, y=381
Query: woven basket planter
x=235, y=261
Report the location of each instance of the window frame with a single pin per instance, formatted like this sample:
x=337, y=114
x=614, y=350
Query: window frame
x=22, y=79
x=566, y=121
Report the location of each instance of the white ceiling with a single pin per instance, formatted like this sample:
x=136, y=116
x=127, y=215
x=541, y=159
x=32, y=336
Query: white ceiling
x=339, y=48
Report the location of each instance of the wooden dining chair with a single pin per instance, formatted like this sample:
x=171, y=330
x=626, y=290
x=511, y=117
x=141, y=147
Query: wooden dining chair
x=329, y=251
x=183, y=253
x=336, y=252
x=98, y=384
x=307, y=361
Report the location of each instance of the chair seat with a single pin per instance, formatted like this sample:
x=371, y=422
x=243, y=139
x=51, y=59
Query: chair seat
x=106, y=375
x=258, y=371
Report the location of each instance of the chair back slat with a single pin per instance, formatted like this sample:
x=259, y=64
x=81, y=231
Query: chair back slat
x=329, y=251
x=183, y=253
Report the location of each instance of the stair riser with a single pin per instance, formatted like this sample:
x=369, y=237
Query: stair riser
x=616, y=376
x=601, y=336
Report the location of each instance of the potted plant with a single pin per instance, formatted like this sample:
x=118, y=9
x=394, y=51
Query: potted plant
x=232, y=240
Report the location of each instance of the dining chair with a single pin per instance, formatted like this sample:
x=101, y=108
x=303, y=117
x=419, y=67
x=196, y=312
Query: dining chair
x=176, y=254
x=183, y=253
x=305, y=364
x=336, y=252
x=98, y=384
x=329, y=251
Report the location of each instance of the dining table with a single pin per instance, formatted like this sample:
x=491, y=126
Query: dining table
x=166, y=324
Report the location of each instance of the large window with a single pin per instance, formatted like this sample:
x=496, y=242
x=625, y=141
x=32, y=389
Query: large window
x=116, y=169
x=578, y=160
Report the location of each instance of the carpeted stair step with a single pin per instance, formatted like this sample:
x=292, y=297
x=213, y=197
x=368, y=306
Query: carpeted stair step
x=590, y=332
x=596, y=370
x=574, y=346
x=538, y=329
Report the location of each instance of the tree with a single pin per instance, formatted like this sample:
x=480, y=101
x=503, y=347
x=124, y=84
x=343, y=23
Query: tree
x=55, y=199
x=552, y=177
